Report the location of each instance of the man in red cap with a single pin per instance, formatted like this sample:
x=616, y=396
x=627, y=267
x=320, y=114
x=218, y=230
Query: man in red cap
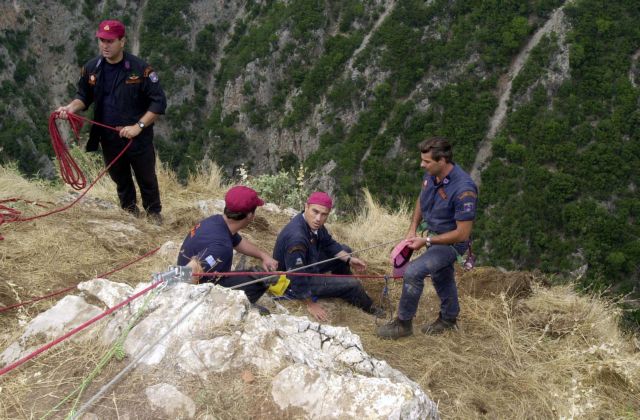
x=210, y=243
x=128, y=96
x=304, y=241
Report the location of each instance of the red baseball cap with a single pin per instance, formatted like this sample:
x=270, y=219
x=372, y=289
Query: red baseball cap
x=321, y=198
x=110, y=29
x=242, y=199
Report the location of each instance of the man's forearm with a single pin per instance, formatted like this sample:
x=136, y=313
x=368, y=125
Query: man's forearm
x=76, y=105
x=416, y=217
x=247, y=248
x=149, y=118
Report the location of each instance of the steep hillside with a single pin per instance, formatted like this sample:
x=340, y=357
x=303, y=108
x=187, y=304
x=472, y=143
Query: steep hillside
x=540, y=98
x=525, y=348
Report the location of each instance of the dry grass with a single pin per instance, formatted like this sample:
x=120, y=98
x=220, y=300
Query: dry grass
x=524, y=350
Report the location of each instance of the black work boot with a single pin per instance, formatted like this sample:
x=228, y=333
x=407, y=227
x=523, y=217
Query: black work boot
x=154, y=218
x=395, y=329
x=439, y=326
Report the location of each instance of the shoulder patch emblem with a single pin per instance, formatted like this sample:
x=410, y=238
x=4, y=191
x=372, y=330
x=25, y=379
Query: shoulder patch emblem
x=153, y=77
x=467, y=194
x=134, y=78
x=297, y=248
x=92, y=79
x=193, y=230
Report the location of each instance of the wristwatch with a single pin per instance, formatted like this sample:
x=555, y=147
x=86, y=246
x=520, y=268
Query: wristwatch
x=428, y=241
x=140, y=124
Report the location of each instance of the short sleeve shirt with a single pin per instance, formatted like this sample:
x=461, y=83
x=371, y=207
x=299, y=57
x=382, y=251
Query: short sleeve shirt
x=453, y=199
x=212, y=243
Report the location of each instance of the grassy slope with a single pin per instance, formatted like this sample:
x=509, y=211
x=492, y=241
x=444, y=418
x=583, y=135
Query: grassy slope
x=524, y=350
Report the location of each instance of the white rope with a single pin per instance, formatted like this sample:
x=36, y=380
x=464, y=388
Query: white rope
x=312, y=265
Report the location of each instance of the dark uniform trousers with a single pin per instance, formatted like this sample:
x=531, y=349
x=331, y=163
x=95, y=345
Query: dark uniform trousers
x=139, y=157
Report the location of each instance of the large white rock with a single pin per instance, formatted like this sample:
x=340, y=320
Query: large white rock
x=325, y=394
x=172, y=402
x=67, y=314
x=110, y=293
x=213, y=311
x=210, y=329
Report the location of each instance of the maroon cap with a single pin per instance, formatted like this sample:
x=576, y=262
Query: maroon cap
x=242, y=199
x=110, y=29
x=320, y=198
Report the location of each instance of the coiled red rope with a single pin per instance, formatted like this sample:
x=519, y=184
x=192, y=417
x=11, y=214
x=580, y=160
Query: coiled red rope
x=69, y=170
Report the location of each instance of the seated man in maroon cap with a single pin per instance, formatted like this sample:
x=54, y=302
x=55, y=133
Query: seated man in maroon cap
x=304, y=241
x=211, y=242
x=127, y=95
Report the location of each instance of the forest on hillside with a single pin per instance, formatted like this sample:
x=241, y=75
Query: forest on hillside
x=361, y=83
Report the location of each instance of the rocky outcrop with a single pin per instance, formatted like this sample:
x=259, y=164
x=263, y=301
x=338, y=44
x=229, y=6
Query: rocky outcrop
x=196, y=331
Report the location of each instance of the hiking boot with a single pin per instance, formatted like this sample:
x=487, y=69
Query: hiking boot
x=376, y=311
x=155, y=218
x=439, y=326
x=395, y=329
x=134, y=210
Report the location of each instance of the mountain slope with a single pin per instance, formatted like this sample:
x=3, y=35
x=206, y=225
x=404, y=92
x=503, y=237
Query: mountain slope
x=540, y=99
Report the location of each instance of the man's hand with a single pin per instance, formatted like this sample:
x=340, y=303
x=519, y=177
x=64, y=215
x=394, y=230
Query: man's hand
x=63, y=111
x=72, y=107
x=317, y=311
x=194, y=265
x=357, y=264
x=416, y=243
x=130, y=131
x=269, y=264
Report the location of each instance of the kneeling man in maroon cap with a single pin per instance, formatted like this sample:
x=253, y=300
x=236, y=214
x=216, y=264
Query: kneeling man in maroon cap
x=210, y=244
x=304, y=241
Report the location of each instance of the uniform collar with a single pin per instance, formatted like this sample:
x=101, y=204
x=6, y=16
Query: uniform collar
x=451, y=176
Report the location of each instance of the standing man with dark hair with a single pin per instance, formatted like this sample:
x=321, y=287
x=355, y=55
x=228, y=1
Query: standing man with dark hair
x=447, y=203
x=304, y=241
x=128, y=96
x=211, y=242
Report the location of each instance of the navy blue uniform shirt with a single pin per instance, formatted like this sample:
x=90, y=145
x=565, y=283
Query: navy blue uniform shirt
x=298, y=245
x=212, y=243
x=453, y=199
x=135, y=90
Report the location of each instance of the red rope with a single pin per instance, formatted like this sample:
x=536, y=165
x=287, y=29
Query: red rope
x=68, y=168
x=59, y=292
x=79, y=328
x=277, y=273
